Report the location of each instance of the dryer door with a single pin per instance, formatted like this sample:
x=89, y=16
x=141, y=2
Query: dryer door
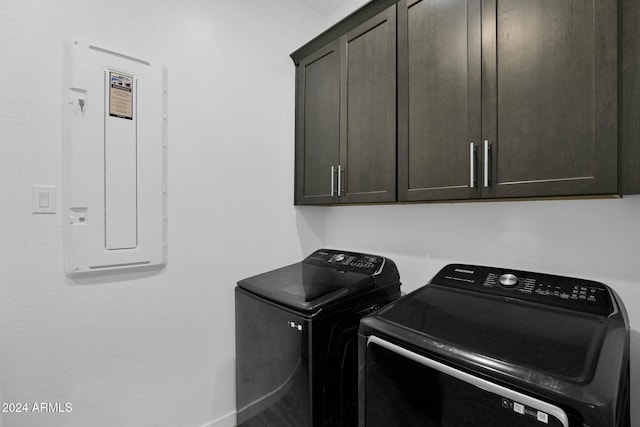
x=406, y=389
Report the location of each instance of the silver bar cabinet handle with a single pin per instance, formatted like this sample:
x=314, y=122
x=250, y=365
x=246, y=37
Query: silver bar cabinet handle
x=339, y=180
x=333, y=171
x=487, y=151
x=472, y=161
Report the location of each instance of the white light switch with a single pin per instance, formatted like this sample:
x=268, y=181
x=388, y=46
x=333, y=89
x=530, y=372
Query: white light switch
x=44, y=198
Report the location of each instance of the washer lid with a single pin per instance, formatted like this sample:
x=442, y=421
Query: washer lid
x=508, y=333
x=324, y=277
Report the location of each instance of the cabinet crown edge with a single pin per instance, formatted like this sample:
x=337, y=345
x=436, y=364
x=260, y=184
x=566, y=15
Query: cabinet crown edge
x=341, y=28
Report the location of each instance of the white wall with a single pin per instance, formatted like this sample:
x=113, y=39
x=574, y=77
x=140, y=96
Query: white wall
x=592, y=239
x=156, y=349
x=149, y=349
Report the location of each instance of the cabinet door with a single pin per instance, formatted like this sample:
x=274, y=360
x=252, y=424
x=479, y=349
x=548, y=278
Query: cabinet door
x=439, y=105
x=550, y=97
x=368, y=111
x=318, y=126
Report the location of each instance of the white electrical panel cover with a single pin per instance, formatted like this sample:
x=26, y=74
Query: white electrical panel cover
x=115, y=161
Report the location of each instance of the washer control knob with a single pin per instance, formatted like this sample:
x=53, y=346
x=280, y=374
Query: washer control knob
x=508, y=280
x=338, y=258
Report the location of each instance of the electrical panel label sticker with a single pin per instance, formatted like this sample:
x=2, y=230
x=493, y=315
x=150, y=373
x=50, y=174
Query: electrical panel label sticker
x=120, y=96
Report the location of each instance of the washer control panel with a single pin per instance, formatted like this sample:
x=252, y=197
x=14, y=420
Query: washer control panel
x=566, y=292
x=347, y=261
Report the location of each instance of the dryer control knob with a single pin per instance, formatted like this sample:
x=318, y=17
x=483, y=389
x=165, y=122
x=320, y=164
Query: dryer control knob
x=508, y=280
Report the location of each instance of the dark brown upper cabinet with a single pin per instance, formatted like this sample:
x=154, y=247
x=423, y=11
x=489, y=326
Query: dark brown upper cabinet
x=318, y=126
x=507, y=98
x=468, y=99
x=346, y=116
x=439, y=102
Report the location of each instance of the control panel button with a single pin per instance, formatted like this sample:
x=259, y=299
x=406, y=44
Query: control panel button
x=508, y=280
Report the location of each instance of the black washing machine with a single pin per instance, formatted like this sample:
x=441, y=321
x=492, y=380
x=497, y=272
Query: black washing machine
x=296, y=338
x=482, y=346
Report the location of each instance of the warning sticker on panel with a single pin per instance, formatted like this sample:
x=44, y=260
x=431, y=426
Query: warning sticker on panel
x=120, y=96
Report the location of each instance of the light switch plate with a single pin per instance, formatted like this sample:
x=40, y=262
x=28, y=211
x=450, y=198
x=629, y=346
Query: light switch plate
x=44, y=199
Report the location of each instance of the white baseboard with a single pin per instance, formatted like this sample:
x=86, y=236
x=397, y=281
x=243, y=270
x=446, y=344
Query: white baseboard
x=228, y=420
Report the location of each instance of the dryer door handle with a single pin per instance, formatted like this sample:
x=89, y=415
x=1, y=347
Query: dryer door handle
x=521, y=399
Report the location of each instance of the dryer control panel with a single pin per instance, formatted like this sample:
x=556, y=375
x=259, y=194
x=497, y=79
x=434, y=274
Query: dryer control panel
x=559, y=291
x=347, y=261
